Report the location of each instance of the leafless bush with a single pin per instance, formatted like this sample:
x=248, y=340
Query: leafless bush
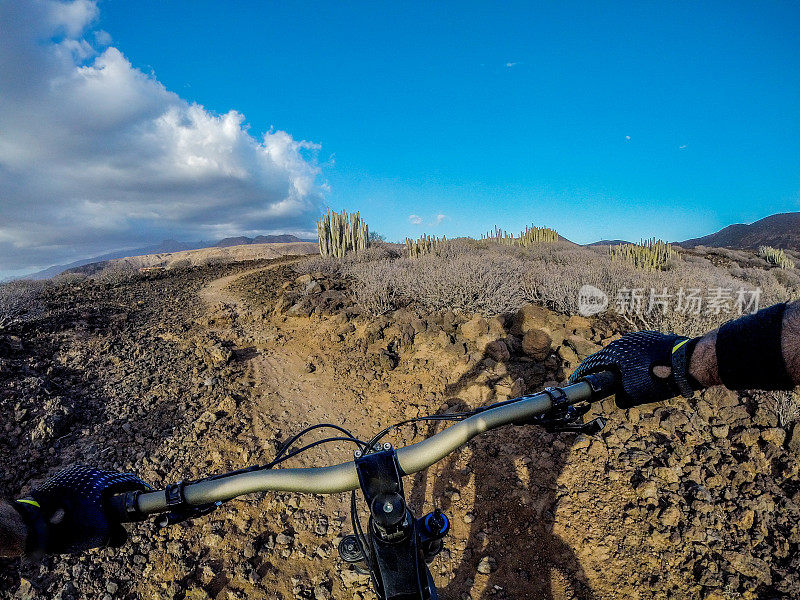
x=459, y=247
x=327, y=265
x=375, y=285
x=20, y=300
x=483, y=282
x=375, y=251
x=554, y=276
x=475, y=277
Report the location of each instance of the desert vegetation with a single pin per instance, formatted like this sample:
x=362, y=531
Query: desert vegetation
x=776, y=257
x=531, y=235
x=651, y=286
x=424, y=245
x=340, y=233
x=650, y=255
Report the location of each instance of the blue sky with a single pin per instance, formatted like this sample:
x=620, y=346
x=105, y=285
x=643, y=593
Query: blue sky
x=506, y=113
x=129, y=122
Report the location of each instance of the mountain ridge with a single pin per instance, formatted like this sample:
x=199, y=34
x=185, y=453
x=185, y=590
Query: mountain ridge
x=781, y=230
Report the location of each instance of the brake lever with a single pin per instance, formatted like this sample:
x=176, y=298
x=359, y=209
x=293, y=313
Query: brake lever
x=565, y=417
x=186, y=513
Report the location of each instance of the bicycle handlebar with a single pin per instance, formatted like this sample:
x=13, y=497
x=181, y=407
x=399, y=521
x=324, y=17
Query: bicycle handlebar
x=343, y=477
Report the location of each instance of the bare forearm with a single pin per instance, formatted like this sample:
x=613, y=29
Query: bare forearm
x=13, y=532
x=703, y=364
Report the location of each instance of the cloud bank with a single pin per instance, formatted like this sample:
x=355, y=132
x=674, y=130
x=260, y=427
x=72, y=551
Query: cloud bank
x=95, y=155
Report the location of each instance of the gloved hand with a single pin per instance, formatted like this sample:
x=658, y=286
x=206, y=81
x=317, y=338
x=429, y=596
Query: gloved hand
x=633, y=358
x=69, y=513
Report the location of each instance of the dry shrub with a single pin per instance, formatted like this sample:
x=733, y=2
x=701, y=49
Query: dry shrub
x=375, y=288
x=476, y=277
x=485, y=282
x=331, y=266
x=327, y=265
x=554, y=276
x=375, y=251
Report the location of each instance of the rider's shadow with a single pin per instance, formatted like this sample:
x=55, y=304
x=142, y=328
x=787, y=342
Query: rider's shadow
x=509, y=519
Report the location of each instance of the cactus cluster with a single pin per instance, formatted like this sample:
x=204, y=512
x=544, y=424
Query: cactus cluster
x=424, y=245
x=531, y=235
x=776, y=257
x=340, y=233
x=650, y=255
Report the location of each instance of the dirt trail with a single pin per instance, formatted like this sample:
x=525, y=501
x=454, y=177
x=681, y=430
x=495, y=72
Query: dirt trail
x=218, y=291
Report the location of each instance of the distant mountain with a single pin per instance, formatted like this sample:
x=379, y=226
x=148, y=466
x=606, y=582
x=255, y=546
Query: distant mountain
x=779, y=231
x=260, y=239
x=608, y=243
x=164, y=247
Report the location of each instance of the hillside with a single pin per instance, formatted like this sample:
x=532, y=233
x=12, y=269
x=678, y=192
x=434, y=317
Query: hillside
x=92, y=264
x=259, y=239
x=205, y=256
x=780, y=231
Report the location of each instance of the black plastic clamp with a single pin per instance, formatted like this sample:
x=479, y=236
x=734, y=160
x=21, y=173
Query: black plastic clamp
x=557, y=396
x=174, y=494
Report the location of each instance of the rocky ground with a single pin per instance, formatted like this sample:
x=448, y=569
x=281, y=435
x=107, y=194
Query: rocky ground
x=182, y=373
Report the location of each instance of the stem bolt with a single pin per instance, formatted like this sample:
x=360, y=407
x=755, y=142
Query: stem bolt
x=388, y=507
x=387, y=446
x=357, y=454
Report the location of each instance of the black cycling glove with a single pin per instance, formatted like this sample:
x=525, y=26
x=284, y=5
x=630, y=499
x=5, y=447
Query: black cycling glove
x=632, y=359
x=69, y=513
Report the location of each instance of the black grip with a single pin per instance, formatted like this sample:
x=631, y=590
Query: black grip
x=124, y=507
x=603, y=383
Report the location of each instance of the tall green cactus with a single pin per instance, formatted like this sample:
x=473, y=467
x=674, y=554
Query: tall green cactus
x=531, y=235
x=650, y=255
x=424, y=245
x=775, y=257
x=340, y=233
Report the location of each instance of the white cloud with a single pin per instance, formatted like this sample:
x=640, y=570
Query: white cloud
x=682, y=147
x=439, y=219
x=415, y=219
x=511, y=64
x=103, y=38
x=96, y=155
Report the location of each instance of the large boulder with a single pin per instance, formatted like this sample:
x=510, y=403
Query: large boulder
x=530, y=316
x=582, y=346
x=474, y=328
x=536, y=344
x=497, y=350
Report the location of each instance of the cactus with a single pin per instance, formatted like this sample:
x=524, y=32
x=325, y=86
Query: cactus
x=776, y=257
x=531, y=235
x=424, y=245
x=650, y=255
x=340, y=233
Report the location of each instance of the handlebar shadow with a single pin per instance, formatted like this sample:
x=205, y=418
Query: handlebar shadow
x=519, y=536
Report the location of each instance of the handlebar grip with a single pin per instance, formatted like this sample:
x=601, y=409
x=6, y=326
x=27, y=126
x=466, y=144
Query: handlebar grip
x=603, y=383
x=125, y=508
